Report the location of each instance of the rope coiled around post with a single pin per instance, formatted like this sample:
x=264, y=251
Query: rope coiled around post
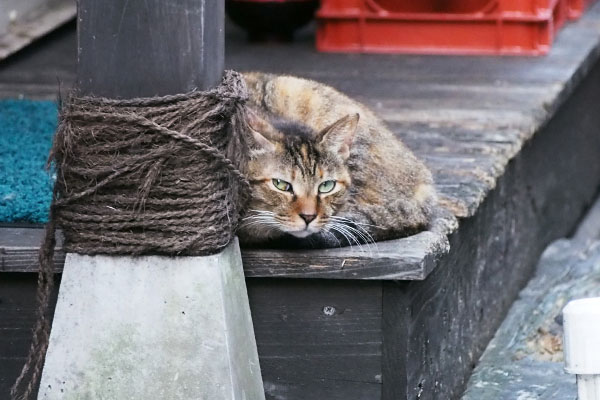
x=159, y=175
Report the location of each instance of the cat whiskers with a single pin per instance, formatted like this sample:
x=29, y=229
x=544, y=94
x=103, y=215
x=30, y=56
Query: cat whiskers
x=349, y=236
x=352, y=230
x=349, y=221
x=262, y=218
x=359, y=226
x=331, y=227
x=326, y=230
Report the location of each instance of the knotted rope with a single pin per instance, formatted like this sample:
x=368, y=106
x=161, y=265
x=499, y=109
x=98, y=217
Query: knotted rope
x=142, y=176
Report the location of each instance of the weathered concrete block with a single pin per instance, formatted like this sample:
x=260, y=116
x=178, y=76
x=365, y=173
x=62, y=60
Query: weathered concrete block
x=152, y=328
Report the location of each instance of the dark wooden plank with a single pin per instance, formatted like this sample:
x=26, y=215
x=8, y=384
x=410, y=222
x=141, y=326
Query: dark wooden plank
x=24, y=237
x=35, y=72
x=396, y=95
x=19, y=250
x=17, y=311
x=458, y=133
x=34, y=19
x=437, y=143
x=589, y=229
x=25, y=259
x=541, y=196
x=396, y=321
x=318, y=339
x=131, y=49
x=300, y=58
x=319, y=389
x=409, y=258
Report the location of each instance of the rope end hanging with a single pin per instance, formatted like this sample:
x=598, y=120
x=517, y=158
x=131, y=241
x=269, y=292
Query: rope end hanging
x=23, y=388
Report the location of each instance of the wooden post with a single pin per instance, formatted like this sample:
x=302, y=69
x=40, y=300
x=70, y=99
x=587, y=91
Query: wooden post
x=151, y=327
x=146, y=48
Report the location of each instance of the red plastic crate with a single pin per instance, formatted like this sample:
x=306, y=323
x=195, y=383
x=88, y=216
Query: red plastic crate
x=441, y=27
x=577, y=7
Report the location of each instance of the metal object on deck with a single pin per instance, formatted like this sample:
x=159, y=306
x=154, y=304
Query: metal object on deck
x=582, y=345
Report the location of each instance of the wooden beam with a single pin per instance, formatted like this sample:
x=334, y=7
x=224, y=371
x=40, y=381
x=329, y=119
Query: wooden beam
x=411, y=258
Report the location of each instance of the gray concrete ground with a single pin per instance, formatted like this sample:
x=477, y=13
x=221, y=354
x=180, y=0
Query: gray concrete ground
x=524, y=361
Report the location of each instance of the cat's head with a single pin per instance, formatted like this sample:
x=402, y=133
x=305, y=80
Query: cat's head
x=299, y=177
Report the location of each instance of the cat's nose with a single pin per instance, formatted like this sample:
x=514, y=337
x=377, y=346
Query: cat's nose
x=308, y=218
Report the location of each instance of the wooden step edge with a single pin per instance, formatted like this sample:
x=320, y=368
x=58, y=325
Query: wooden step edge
x=410, y=258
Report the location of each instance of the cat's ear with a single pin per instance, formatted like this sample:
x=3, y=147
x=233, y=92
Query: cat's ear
x=339, y=136
x=261, y=132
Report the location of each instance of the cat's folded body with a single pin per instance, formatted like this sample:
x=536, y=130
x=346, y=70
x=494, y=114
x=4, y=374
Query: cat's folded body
x=326, y=171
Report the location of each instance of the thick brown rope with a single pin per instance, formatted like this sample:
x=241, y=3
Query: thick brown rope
x=142, y=176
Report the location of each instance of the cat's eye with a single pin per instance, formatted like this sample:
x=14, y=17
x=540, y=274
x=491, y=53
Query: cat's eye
x=326, y=186
x=282, y=185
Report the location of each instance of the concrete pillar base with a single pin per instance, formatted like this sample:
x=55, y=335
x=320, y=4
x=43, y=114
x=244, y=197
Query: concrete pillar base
x=152, y=327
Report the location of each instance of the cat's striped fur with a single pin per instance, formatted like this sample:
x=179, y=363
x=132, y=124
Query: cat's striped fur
x=306, y=133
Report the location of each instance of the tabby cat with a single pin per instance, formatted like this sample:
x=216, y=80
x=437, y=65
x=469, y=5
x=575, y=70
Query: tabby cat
x=325, y=170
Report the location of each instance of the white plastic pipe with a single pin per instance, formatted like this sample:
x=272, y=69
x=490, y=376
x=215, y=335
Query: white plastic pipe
x=581, y=319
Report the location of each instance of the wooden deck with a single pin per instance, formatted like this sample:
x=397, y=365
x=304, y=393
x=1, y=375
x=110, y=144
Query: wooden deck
x=465, y=116
x=513, y=144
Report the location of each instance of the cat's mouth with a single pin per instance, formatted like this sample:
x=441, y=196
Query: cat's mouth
x=303, y=233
